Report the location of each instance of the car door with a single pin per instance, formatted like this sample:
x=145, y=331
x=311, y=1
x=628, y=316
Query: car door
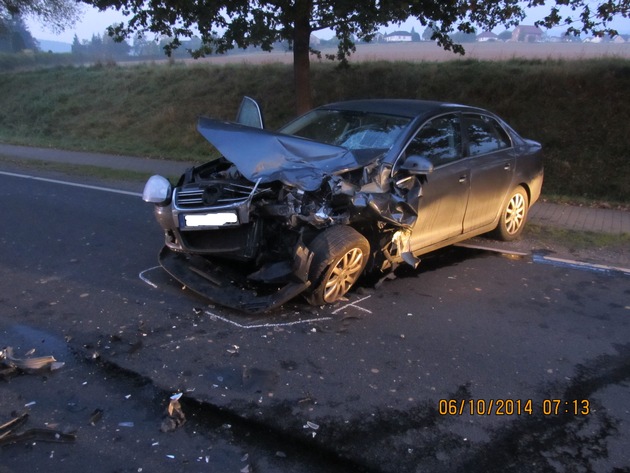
x=249, y=113
x=442, y=207
x=492, y=161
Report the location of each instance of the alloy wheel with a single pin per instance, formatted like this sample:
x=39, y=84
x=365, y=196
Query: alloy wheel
x=344, y=275
x=515, y=213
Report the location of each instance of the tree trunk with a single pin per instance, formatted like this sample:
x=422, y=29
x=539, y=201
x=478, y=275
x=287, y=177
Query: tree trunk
x=301, y=56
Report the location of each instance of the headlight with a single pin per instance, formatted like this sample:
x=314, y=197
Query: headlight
x=157, y=190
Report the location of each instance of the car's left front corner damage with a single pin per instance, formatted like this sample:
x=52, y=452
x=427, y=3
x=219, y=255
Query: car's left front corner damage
x=237, y=231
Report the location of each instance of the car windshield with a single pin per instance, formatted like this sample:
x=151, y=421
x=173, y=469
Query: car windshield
x=349, y=129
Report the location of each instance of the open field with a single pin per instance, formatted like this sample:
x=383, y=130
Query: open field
x=428, y=51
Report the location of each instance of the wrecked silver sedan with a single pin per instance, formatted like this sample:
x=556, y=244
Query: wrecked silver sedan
x=348, y=188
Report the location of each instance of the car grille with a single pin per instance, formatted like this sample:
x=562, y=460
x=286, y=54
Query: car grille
x=215, y=194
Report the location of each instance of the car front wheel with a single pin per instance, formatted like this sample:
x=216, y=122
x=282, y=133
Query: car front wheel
x=513, y=216
x=340, y=255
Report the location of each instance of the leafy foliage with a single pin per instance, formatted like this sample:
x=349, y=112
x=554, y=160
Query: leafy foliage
x=226, y=24
x=100, y=48
x=14, y=36
x=56, y=14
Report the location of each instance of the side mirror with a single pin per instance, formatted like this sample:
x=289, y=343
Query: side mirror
x=249, y=113
x=416, y=164
x=157, y=190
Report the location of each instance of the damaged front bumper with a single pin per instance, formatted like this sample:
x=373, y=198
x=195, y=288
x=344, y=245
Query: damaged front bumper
x=228, y=287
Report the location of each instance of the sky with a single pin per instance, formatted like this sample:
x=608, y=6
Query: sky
x=95, y=22
x=91, y=22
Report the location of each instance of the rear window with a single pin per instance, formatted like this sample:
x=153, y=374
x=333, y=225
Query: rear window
x=485, y=135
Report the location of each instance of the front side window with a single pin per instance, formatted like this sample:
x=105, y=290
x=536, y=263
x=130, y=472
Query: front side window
x=349, y=129
x=485, y=135
x=439, y=140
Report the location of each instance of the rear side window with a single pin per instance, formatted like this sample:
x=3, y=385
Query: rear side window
x=485, y=135
x=439, y=140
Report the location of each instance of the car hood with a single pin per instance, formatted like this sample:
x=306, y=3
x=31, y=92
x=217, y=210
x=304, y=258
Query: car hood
x=270, y=156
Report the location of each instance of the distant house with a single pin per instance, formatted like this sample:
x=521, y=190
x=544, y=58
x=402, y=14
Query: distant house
x=527, y=34
x=487, y=36
x=398, y=36
x=566, y=38
x=605, y=39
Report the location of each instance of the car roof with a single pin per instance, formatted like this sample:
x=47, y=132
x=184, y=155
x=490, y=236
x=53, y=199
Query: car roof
x=401, y=107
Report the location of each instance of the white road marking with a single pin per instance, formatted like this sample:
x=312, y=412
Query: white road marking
x=72, y=184
x=600, y=268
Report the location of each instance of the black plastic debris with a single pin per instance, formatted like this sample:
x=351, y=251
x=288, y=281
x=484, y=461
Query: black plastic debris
x=9, y=434
x=95, y=417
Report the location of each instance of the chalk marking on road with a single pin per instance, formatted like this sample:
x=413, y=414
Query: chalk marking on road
x=353, y=304
x=190, y=338
x=147, y=280
x=213, y=316
x=599, y=268
x=72, y=184
x=266, y=325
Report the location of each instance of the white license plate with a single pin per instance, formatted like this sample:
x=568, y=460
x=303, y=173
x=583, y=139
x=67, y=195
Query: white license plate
x=218, y=219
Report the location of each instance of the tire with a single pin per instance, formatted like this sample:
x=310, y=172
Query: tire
x=513, y=216
x=340, y=254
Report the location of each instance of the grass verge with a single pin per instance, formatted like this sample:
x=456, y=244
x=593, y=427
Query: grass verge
x=577, y=240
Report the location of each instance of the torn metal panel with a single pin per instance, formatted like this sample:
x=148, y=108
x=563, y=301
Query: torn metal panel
x=394, y=203
x=402, y=242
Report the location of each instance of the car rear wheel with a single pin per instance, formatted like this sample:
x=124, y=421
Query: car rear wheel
x=513, y=216
x=340, y=255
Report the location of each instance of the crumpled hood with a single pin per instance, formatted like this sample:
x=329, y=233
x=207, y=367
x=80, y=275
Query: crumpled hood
x=271, y=156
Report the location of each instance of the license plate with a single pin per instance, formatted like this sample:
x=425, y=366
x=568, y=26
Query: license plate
x=218, y=219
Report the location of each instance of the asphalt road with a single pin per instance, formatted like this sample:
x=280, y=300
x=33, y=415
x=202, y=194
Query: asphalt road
x=69, y=264
x=474, y=362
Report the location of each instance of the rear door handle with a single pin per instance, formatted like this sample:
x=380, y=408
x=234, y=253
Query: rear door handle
x=463, y=179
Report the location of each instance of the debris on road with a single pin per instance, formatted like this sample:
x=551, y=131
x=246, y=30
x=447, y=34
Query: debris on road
x=96, y=417
x=10, y=365
x=8, y=434
x=313, y=426
x=175, y=415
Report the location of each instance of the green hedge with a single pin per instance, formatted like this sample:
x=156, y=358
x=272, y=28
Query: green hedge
x=578, y=110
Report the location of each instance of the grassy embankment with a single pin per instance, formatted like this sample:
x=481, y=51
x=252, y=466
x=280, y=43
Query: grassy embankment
x=579, y=110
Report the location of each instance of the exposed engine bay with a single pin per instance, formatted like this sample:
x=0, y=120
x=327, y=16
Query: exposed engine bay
x=274, y=219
